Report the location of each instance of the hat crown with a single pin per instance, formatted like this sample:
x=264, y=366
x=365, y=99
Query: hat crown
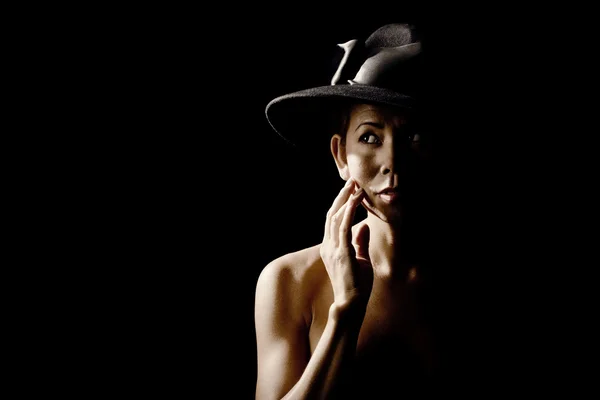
x=387, y=59
x=392, y=35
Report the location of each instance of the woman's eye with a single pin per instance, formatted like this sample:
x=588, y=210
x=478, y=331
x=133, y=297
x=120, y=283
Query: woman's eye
x=369, y=138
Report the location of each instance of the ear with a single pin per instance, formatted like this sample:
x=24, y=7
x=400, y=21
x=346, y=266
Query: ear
x=338, y=151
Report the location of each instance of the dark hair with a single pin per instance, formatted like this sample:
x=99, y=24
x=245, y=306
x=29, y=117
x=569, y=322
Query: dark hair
x=340, y=118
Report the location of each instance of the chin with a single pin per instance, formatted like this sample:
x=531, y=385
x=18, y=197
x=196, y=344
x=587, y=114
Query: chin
x=387, y=212
x=391, y=214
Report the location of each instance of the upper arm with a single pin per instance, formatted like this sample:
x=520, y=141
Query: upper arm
x=281, y=331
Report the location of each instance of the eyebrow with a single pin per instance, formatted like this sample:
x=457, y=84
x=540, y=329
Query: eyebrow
x=375, y=124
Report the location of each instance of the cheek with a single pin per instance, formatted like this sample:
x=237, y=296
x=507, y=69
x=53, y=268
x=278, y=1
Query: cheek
x=361, y=169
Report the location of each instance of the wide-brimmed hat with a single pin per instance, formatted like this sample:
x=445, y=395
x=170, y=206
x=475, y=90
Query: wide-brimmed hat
x=383, y=69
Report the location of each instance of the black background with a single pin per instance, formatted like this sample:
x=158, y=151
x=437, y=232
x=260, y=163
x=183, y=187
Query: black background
x=189, y=193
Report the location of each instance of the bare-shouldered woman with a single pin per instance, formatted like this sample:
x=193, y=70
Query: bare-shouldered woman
x=345, y=317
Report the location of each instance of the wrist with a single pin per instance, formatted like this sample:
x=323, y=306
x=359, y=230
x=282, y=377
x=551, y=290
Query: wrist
x=348, y=310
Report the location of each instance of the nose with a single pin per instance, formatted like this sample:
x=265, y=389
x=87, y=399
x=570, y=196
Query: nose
x=388, y=161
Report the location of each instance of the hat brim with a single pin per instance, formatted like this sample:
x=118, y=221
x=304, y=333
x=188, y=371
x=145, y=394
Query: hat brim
x=300, y=117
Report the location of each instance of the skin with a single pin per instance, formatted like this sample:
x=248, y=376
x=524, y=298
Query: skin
x=344, y=316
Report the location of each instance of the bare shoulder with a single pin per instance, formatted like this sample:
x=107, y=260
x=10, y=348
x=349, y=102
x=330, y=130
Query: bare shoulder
x=292, y=280
x=299, y=270
x=283, y=316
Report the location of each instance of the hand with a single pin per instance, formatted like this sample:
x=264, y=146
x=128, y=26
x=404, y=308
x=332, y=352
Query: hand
x=349, y=270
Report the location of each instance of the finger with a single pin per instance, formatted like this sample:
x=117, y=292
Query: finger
x=339, y=201
x=345, y=232
x=335, y=222
x=362, y=243
x=338, y=217
x=342, y=196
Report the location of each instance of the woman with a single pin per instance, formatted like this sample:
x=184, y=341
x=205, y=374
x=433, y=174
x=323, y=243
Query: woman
x=348, y=317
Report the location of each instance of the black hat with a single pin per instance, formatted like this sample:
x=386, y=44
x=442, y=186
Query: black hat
x=383, y=69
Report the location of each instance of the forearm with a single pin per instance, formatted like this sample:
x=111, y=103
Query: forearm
x=332, y=356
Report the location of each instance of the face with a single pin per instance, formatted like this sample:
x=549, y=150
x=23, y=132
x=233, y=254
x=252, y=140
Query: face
x=382, y=152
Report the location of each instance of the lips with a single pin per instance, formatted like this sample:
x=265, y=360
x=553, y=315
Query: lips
x=389, y=195
x=388, y=190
